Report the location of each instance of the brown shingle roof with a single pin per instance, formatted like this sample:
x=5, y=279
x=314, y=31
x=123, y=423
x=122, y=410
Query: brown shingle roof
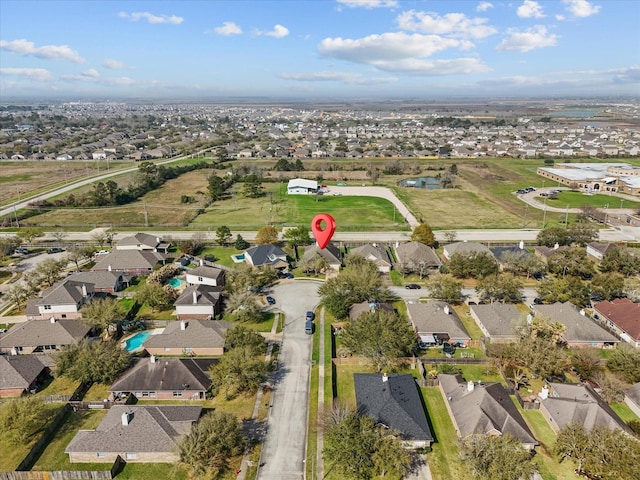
x=624, y=313
x=197, y=334
x=43, y=332
x=19, y=371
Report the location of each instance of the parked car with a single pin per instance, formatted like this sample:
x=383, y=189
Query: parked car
x=413, y=286
x=309, y=327
x=271, y=300
x=460, y=345
x=310, y=316
x=22, y=251
x=55, y=250
x=448, y=348
x=521, y=191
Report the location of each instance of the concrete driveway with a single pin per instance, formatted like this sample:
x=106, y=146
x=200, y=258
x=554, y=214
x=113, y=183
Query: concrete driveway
x=284, y=449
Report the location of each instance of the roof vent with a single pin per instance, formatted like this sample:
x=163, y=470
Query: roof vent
x=152, y=359
x=126, y=418
x=195, y=297
x=447, y=310
x=385, y=377
x=52, y=319
x=183, y=325
x=470, y=386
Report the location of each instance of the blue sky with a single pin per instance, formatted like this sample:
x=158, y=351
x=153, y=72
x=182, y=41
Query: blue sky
x=321, y=49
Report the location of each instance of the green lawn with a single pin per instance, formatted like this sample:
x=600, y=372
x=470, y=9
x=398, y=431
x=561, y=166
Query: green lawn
x=577, y=199
x=624, y=412
x=59, y=386
x=467, y=320
x=344, y=381
x=97, y=392
x=222, y=254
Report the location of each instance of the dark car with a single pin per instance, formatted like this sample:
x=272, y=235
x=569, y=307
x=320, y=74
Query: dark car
x=413, y=286
x=22, y=251
x=310, y=316
x=521, y=191
x=271, y=300
x=55, y=250
x=448, y=348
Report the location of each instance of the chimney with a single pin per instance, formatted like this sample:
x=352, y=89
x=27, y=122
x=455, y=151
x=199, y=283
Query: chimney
x=201, y=262
x=183, y=325
x=152, y=359
x=385, y=378
x=195, y=297
x=582, y=312
x=470, y=386
x=157, y=239
x=126, y=418
x=556, y=246
x=544, y=393
x=521, y=245
x=52, y=319
x=109, y=268
x=84, y=290
x=447, y=310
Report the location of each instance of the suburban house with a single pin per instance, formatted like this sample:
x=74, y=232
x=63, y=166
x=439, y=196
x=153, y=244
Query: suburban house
x=544, y=252
x=205, y=275
x=63, y=300
x=499, y=322
x=580, y=330
x=36, y=336
x=483, y=409
x=143, y=241
x=199, y=302
x=632, y=398
x=358, y=309
x=301, y=186
x=437, y=322
x=414, y=256
x=140, y=434
x=132, y=262
x=102, y=281
x=393, y=401
x=504, y=255
x=465, y=248
x=564, y=403
x=263, y=255
x=189, y=337
x=22, y=373
x=376, y=254
x=597, y=250
x=622, y=316
x=330, y=253
x=166, y=378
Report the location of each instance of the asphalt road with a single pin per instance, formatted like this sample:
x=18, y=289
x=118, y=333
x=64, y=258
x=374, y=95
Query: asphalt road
x=283, y=451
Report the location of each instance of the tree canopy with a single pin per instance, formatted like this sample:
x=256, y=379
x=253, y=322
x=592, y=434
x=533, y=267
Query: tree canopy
x=423, y=234
x=564, y=289
x=267, y=236
x=500, y=287
x=496, y=457
x=475, y=265
x=240, y=370
x=445, y=287
x=90, y=362
x=102, y=312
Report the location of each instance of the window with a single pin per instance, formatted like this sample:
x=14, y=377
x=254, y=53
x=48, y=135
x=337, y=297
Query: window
x=131, y=455
x=146, y=394
x=188, y=349
x=167, y=349
x=200, y=279
x=64, y=315
x=100, y=454
x=47, y=307
x=177, y=394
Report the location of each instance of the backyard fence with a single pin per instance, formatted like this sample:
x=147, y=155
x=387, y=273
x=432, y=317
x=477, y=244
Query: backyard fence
x=58, y=475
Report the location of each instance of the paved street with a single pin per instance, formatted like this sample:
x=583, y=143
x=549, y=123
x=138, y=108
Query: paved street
x=283, y=451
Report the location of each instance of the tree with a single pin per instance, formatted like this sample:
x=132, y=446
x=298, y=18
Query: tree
x=8, y=245
x=207, y=448
x=223, y=235
x=497, y=457
x=240, y=243
x=247, y=278
x=381, y=336
x=475, y=264
x=103, y=313
x=444, y=287
x=585, y=362
x=29, y=233
x=18, y=294
x=244, y=305
x=607, y=286
x=621, y=260
x=297, y=236
x=625, y=360
x=22, y=418
x=240, y=370
x=582, y=232
x=50, y=270
x=523, y=263
x=216, y=187
x=632, y=289
x=90, y=362
x=572, y=261
x=500, y=287
x=252, y=186
x=267, y=235
x=77, y=253
x=552, y=235
x=153, y=294
x=565, y=289
x=241, y=336
x=423, y=234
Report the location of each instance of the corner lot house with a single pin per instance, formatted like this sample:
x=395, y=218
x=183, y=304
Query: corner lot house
x=413, y=256
x=140, y=434
x=167, y=378
x=262, y=255
x=35, y=336
x=436, y=320
x=198, y=302
x=622, y=316
x=21, y=373
x=189, y=337
x=301, y=186
x=393, y=401
x=580, y=331
x=62, y=301
x=484, y=409
x=499, y=322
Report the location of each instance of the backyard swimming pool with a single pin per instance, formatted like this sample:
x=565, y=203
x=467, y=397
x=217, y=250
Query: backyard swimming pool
x=175, y=282
x=136, y=341
x=238, y=258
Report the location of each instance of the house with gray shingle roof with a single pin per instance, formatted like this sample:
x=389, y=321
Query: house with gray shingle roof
x=133, y=262
x=190, y=337
x=465, y=248
x=262, y=255
x=483, y=409
x=622, y=316
x=63, y=300
x=414, y=256
x=199, y=302
x=143, y=241
x=632, y=398
x=436, y=320
x=330, y=253
x=206, y=275
x=138, y=434
x=36, y=336
x=165, y=378
x=499, y=322
x=580, y=330
x=563, y=403
x=102, y=281
x=20, y=373
x=393, y=400
x=377, y=255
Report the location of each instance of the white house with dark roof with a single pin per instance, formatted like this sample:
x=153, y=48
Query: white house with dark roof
x=499, y=322
x=138, y=434
x=143, y=241
x=205, y=275
x=262, y=255
x=436, y=320
x=199, y=302
x=62, y=301
x=393, y=401
x=301, y=186
x=35, y=336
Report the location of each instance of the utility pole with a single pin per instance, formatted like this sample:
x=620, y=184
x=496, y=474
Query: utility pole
x=146, y=218
x=566, y=218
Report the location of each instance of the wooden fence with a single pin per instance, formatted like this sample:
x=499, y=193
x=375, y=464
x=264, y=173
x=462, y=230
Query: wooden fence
x=58, y=475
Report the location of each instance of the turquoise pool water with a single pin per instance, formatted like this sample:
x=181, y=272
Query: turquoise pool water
x=136, y=341
x=175, y=282
x=238, y=257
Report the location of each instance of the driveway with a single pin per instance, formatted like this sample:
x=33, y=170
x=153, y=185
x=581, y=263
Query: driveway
x=283, y=451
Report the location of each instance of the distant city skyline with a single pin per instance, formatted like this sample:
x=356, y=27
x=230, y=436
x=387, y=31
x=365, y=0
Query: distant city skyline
x=320, y=49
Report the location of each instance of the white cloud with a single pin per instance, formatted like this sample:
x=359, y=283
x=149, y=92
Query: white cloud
x=48, y=52
x=91, y=73
x=424, y=67
x=532, y=38
x=341, y=77
x=369, y=3
x=581, y=8
x=484, y=6
x=627, y=75
x=113, y=64
x=151, y=18
x=228, y=28
x=38, y=74
x=278, y=32
x=453, y=24
x=530, y=9
x=560, y=17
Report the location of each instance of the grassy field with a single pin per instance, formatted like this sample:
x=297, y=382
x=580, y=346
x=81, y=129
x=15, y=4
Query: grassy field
x=577, y=199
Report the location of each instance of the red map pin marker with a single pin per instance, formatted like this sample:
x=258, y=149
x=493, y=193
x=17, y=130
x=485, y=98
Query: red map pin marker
x=323, y=237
